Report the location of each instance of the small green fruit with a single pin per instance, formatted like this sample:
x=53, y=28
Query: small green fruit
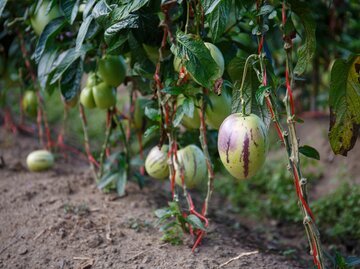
x=92, y=80
x=193, y=162
x=39, y=160
x=104, y=95
x=220, y=109
x=156, y=162
x=112, y=70
x=87, y=98
x=42, y=18
x=30, y=103
x=242, y=145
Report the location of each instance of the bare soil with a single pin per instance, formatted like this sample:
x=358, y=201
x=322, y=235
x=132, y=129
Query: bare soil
x=59, y=219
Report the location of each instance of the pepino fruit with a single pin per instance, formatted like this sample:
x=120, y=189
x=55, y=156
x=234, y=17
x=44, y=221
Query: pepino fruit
x=112, y=70
x=220, y=108
x=30, y=103
x=104, y=95
x=156, y=162
x=242, y=144
x=192, y=160
x=87, y=98
x=39, y=160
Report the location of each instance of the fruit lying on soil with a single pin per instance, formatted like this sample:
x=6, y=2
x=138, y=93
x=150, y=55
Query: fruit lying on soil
x=193, y=162
x=156, y=162
x=242, y=144
x=39, y=160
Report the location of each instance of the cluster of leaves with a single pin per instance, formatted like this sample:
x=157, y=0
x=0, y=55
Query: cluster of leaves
x=173, y=223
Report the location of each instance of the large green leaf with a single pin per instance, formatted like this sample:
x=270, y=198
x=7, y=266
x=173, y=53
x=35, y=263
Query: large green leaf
x=71, y=80
x=307, y=50
x=70, y=9
x=2, y=6
x=50, y=32
x=219, y=18
x=132, y=21
x=197, y=59
x=209, y=5
x=123, y=11
x=83, y=30
x=45, y=66
x=344, y=101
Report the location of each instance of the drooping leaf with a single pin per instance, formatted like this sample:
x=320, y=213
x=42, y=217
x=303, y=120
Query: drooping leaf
x=121, y=183
x=123, y=11
x=45, y=67
x=152, y=113
x=131, y=22
x=50, y=31
x=100, y=12
x=309, y=152
x=178, y=116
x=70, y=9
x=188, y=107
x=307, y=50
x=83, y=30
x=151, y=130
x=71, y=80
x=219, y=18
x=344, y=101
x=195, y=222
x=196, y=59
x=88, y=7
x=2, y=6
x=209, y=5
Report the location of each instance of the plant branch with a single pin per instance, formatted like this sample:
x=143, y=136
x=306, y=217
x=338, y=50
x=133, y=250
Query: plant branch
x=106, y=142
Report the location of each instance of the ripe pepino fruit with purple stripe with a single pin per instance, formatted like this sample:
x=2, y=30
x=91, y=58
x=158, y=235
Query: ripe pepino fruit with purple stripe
x=192, y=160
x=242, y=144
x=156, y=162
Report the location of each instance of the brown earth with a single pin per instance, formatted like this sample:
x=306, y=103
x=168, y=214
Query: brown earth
x=59, y=219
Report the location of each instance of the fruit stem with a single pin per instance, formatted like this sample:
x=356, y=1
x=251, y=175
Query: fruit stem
x=86, y=141
x=243, y=105
x=106, y=142
x=187, y=16
x=203, y=141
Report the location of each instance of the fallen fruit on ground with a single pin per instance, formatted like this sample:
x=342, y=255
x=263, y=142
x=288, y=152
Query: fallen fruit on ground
x=40, y=160
x=242, y=144
x=156, y=162
x=192, y=162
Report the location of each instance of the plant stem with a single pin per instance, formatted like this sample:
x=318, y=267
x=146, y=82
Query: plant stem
x=126, y=144
x=203, y=141
x=106, y=142
x=187, y=16
x=86, y=141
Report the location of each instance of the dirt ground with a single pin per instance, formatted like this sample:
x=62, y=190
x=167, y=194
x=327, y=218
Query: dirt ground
x=59, y=219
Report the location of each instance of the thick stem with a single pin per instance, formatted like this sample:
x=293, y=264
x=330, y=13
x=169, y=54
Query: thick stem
x=203, y=141
x=105, y=144
x=86, y=142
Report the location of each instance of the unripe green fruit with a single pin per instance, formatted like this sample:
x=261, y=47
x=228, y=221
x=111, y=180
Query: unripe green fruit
x=92, y=80
x=193, y=161
x=104, y=95
x=87, y=98
x=41, y=18
x=220, y=109
x=215, y=54
x=242, y=144
x=189, y=122
x=112, y=70
x=39, y=160
x=156, y=162
x=30, y=103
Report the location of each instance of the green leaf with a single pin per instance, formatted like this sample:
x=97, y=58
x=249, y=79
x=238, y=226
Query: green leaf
x=71, y=80
x=310, y=152
x=178, y=115
x=195, y=222
x=106, y=180
x=66, y=59
x=260, y=93
x=265, y=9
x=251, y=87
x=188, y=107
x=45, y=67
x=70, y=9
x=173, y=90
x=121, y=180
x=50, y=31
x=307, y=50
x=101, y=12
x=131, y=22
x=209, y=5
x=219, y=19
x=151, y=130
x=152, y=113
x=197, y=59
x=2, y=6
x=163, y=212
x=344, y=102
x=88, y=7
x=123, y=11
x=84, y=27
